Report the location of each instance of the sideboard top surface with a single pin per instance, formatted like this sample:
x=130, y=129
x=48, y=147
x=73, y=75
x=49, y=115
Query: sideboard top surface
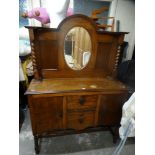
x=57, y=29
x=64, y=85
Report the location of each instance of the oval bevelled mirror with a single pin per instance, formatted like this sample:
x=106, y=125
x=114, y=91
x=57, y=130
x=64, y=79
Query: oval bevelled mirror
x=77, y=48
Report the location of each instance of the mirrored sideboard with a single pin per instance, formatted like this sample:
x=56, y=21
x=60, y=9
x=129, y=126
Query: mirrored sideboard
x=74, y=89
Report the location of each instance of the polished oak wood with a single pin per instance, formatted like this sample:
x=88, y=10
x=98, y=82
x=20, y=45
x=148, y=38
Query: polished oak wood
x=47, y=46
x=60, y=85
x=64, y=101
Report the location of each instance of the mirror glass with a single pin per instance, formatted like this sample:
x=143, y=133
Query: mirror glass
x=77, y=48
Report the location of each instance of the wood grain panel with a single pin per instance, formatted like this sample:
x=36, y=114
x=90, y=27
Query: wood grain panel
x=71, y=73
x=45, y=111
x=48, y=35
x=111, y=109
x=67, y=85
x=102, y=60
x=48, y=50
x=64, y=112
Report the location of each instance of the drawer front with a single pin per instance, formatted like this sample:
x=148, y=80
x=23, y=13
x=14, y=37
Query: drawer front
x=81, y=102
x=80, y=120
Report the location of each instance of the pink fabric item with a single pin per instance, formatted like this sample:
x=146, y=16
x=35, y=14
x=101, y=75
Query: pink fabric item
x=43, y=17
x=70, y=11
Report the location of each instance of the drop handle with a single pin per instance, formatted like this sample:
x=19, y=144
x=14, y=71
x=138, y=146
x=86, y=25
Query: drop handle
x=82, y=101
x=60, y=114
x=81, y=119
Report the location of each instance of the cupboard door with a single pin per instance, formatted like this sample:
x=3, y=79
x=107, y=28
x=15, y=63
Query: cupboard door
x=110, y=111
x=46, y=113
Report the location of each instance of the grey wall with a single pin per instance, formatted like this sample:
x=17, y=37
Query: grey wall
x=124, y=12
x=87, y=6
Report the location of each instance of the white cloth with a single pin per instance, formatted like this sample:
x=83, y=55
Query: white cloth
x=24, y=50
x=127, y=128
x=69, y=60
x=24, y=43
x=57, y=11
x=128, y=117
x=23, y=33
x=86, y=56
x=21, y=73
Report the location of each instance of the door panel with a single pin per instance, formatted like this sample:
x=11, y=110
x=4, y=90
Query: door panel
x=47, y=113
x=110, y=110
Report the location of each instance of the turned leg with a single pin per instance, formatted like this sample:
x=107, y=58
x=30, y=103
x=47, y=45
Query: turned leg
x=36, y=143
x=115, y=133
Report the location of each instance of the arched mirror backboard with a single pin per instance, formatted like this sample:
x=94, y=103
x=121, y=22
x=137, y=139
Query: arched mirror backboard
x=77, y=48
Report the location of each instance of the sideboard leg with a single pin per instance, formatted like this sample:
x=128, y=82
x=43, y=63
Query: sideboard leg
x=115, y=139
x=36, y=144
x=115, y=133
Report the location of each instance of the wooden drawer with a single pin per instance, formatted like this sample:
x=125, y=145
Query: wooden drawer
x=80, y=120
x=81, y=102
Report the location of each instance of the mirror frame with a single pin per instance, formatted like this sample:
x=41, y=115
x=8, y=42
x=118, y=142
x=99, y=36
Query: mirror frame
x=82, y=67
x=65, y=26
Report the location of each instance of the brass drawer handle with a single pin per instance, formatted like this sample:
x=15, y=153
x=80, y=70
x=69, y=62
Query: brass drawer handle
x=81, y=110
x=81, y=119
x=59, y=114
x=82, y=101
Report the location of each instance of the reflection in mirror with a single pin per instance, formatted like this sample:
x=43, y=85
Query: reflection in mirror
x=77, y=48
